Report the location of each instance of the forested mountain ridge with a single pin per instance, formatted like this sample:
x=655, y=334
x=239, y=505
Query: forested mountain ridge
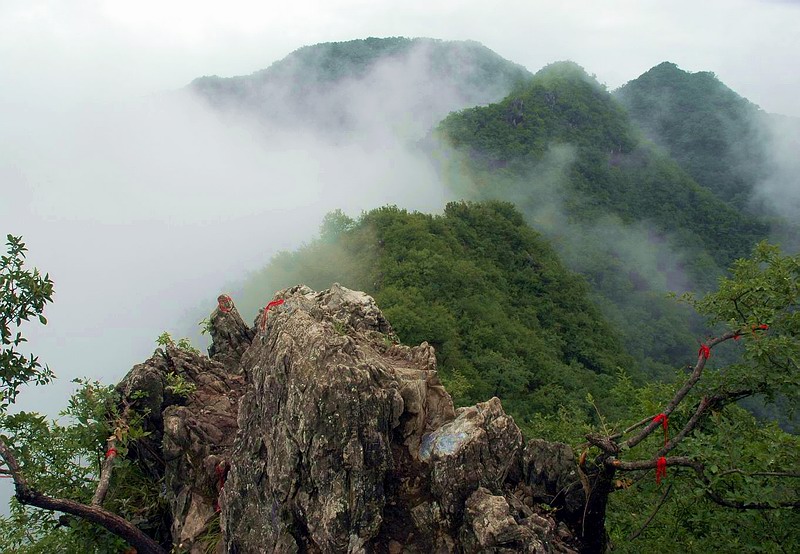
x=731, y=147
x=620, y=211
x=332, y=86
x=717, y=136
x=506, y=317
x=613, y=171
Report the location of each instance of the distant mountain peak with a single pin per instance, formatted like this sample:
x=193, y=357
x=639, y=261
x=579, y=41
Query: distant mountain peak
x=330, y=85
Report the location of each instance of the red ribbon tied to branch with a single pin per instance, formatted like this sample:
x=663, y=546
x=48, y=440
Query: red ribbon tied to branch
x=224, y=303
x=753, y=329
x=277, y=302
x=111, y=452
x=663, y=419
x=704, y=351
x=661, y=469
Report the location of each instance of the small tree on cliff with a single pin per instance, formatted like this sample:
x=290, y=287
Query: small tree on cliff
x=696, y=427
x=23, y=296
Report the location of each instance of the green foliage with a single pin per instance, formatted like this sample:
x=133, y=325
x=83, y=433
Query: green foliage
x=185, y=344
x=617, y=208
x=737, y=450
x=561, y=104
x=63, y=458
x=334, y=224
x=212, y=536
x=761, y=291
x=746, y=460
x=205, y=326
x=506, y=318
x=613, y=170
x=178, y=385
x=717, y=136
x=165, y=339
x=23, y=295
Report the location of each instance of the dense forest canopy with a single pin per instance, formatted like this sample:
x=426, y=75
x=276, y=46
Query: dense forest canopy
x=614, y=170
x=717, y=136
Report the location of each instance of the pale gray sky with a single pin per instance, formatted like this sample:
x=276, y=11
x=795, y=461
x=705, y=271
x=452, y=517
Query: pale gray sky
x=96, y=49
x=141, y=212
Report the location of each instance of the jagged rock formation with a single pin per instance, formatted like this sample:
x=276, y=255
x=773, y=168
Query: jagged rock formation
x=190, y=436
x=344, y=441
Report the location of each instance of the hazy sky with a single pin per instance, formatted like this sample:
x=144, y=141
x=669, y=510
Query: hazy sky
x=96, y=49
x=142, y=211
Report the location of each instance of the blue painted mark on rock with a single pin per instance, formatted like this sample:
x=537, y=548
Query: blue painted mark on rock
x=426, y=446
x=442, y=443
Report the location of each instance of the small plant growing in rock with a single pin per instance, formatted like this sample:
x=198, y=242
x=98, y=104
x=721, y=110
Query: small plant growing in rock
x=212, y=537
x=340, y=327
x=185, y=344
x=165, y=339
x=205, y=326
x=178, y=385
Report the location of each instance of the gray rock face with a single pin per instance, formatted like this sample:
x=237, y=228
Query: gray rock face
x=553, y=475
x=230, y=335
x=191, y=404
x=318, y=432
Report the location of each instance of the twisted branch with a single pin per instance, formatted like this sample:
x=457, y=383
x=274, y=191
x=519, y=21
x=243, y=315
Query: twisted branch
x=92, y=513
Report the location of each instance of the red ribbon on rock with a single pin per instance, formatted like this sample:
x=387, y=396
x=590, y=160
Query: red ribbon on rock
x=111, y=452
x=277, y=302
x=663, y=419
x=222, y=474
x=661, y=469
x=704, y=351
x=225, y=303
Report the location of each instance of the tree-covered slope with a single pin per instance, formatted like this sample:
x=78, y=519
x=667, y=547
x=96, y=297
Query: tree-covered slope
x=717, y=136
x=612, y=170
x=506, y=317
x=395, y=81
x=618, y=209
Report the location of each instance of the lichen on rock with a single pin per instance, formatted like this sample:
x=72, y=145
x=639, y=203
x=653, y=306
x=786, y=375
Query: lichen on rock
x=333, y=437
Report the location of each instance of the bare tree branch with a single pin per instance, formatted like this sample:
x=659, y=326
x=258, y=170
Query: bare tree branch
x=699, y=469
x=651, y=464
x=684, y=390
x=92, y=513
x=635, y=534
x=105, y=472
x=690, y=425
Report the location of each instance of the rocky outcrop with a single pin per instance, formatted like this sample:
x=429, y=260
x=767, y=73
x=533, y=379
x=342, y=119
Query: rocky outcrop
x=190, y=404
x=316, y=431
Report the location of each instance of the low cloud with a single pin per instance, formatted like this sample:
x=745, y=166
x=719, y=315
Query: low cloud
x=780, y=189
x=143, y=211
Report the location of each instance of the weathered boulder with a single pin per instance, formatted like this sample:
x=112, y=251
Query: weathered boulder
x=349, y=443
x=477, y=449
x=493, y=525
x=230, y=336
x=552, y=471
x=314, y=430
